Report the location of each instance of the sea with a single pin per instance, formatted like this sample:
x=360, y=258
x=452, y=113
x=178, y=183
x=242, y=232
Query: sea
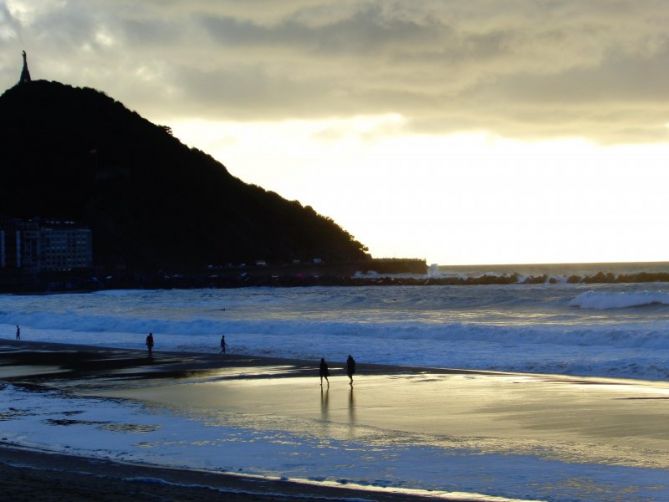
x=608, y=329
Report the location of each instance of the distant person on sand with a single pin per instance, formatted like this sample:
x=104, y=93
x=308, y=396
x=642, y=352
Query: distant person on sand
x=324, y=372
x=350, y=368
x=149, y=344
x=18, y=332
x=223, y=344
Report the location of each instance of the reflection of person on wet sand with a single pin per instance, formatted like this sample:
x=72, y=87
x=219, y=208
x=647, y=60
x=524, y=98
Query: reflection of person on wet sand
x=149, y=344
x=18, y=332
x=351, y=406
x=350, y=368
x=325, y=402
x=223, y=345
x=324, y=372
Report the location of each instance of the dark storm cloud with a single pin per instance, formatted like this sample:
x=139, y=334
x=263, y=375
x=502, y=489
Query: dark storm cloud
x=523, y=68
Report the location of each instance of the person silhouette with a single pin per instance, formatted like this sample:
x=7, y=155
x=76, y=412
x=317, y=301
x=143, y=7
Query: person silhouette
x=18, y=332
x=350, y=368
x=324, y=372
x=149, y=344
x=223, y=345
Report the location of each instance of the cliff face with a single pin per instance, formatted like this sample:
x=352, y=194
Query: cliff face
x=151, y=201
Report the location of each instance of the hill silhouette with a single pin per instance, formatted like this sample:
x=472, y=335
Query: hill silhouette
x=151, y=201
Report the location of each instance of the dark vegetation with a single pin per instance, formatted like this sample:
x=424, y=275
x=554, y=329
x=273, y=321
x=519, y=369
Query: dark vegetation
x=152, y=202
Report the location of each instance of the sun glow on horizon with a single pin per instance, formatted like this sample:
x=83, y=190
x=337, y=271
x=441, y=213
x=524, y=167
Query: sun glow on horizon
x=456, y=199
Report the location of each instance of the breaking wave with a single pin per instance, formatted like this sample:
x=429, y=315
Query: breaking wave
x=619, y=300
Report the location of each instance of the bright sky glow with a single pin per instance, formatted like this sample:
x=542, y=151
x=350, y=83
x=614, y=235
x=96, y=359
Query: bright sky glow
x=457, y=199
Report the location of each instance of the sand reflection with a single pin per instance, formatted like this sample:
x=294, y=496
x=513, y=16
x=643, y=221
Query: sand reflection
x=556, y=417
x=351, y=406
x=325, y=403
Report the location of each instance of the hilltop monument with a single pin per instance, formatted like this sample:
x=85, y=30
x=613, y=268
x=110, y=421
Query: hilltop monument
x=25, y=73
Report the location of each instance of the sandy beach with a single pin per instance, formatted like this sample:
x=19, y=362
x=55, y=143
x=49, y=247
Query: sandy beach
x=588, y=427
x=30, y=474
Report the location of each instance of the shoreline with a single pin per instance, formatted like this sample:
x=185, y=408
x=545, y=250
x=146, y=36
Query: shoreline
x=31, y=474
x=185, y=361
x=188, y=361
x=176, y=364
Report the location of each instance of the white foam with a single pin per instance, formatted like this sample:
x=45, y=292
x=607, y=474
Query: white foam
x=619, y=300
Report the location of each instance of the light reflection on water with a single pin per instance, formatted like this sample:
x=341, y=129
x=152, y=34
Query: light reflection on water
x=250, y=371
x=557, y=418
x=385, y=457
x=12, y=371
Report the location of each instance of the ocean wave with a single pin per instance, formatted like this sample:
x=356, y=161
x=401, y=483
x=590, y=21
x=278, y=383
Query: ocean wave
x=619, y=300
x=305, y=331
x=530, y=328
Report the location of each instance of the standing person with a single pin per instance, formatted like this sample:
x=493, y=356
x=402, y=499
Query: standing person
x=223, y=344
x=149, y=344
x=18, y=332
x=324, y=372
x=350, y=368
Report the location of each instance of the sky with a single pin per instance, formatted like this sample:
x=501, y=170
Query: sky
x=459, y=131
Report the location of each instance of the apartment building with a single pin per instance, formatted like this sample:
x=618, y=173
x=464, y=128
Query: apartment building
x=41, y=245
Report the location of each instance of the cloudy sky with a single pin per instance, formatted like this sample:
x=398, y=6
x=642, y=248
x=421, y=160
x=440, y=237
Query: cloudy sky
x=462, y=131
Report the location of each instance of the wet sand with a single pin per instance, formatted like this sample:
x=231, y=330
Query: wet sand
x=608, y=421
x=83, y=370
x=31, y=475
x=595, y=421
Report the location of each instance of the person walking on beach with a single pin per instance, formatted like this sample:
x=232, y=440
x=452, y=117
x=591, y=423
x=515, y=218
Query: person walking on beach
x=350, y=368
x=149, y=344
x=223, y=344
x=324, y=372
x=18, y=332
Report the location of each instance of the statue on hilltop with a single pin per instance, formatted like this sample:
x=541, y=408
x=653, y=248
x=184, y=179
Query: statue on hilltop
x=25, y=73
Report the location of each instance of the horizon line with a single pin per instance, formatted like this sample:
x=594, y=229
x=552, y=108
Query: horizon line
x=552, y=264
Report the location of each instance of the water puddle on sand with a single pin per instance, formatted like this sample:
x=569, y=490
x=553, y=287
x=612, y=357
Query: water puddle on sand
x=104, y=425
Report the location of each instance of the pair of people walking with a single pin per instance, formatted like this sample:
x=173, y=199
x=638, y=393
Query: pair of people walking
x=324, y=371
